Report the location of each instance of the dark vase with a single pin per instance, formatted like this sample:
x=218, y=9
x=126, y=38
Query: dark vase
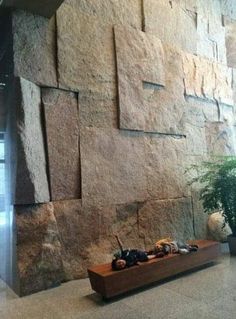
x=232, y=245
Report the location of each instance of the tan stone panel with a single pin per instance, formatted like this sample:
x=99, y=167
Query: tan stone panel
x=165, y=106
x=86, y=57
x=164, y=218
x=31, y=176
x=34, y=48
x=150, y=83
x=38, y=248
x=62, y=134
x=207, y=80
x=112, y=164
x=173, y=25
x=165, y=161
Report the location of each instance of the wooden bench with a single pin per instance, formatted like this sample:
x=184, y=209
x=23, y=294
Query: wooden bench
x=111, y=283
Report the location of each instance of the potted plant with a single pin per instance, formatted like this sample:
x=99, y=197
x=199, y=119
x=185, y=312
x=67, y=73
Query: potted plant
x=218, y=191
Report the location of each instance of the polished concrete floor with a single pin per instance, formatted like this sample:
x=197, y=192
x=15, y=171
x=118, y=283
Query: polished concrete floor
x=209, y=293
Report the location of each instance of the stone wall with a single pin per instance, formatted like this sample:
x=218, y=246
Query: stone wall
x=116, y=98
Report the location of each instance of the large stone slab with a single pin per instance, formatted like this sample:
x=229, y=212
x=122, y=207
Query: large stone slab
x=207, y=80
x=165, y=163
x=38, y=248
x=114, y=161
x=31, y=177
x=62, y=134
x=86, y=56
x=164, y=218
x=173, y=25
x=78, y=230
x=149, y=83
x=34, y=48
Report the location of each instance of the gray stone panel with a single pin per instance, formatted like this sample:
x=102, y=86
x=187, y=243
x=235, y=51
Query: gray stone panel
x=78, y=229
x=38, y=248
x=34, y=47
x=221, y=139
x=86, y=57
x=165, y=163
x=166, y=218
x=62, y=134
x=31, y=176
x=112, y=164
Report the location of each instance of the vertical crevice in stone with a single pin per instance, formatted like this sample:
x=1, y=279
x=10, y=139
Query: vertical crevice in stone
x=56, y=51
x=79, y=150
x=117, y=82
x=143, y=16
x=44, y=130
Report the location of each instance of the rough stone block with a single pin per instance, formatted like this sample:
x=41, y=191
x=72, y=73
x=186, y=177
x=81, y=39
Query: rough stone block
x=31, y=177
x=231, y=44
x=34, y=48
x=95, y=110
x=140, y=59
x=164, y=218
x=62, y=133
x=86, y=56
x=173, y=25
x=78, y=229
x=220, y=138
x=207, y=80
x=114, y=161
x=38, y=248
x=144, y=69
x=165, y=160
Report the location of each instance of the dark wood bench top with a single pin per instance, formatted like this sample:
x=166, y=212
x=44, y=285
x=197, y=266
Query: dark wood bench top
x=110, y=283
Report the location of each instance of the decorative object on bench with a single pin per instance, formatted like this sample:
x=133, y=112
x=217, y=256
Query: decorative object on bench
x=218, y=191
x=169, y=245
x=111, y=283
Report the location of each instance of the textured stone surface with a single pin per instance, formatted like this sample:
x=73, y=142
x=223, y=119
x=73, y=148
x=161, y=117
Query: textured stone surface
x=165, y=165
x=62, y=132
x=149, y=83
x=85, y=41
x=77, y=231
x=211, y=33
x=114, y=162
x=207, y=80
x=140, y=59
x=180, y=23
x=220, y=138
x=31, y=177
x=95, y=110
x=231, y=44
x=163, y=218
x=215, y=227
x=38, y=248
x=34, y=48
